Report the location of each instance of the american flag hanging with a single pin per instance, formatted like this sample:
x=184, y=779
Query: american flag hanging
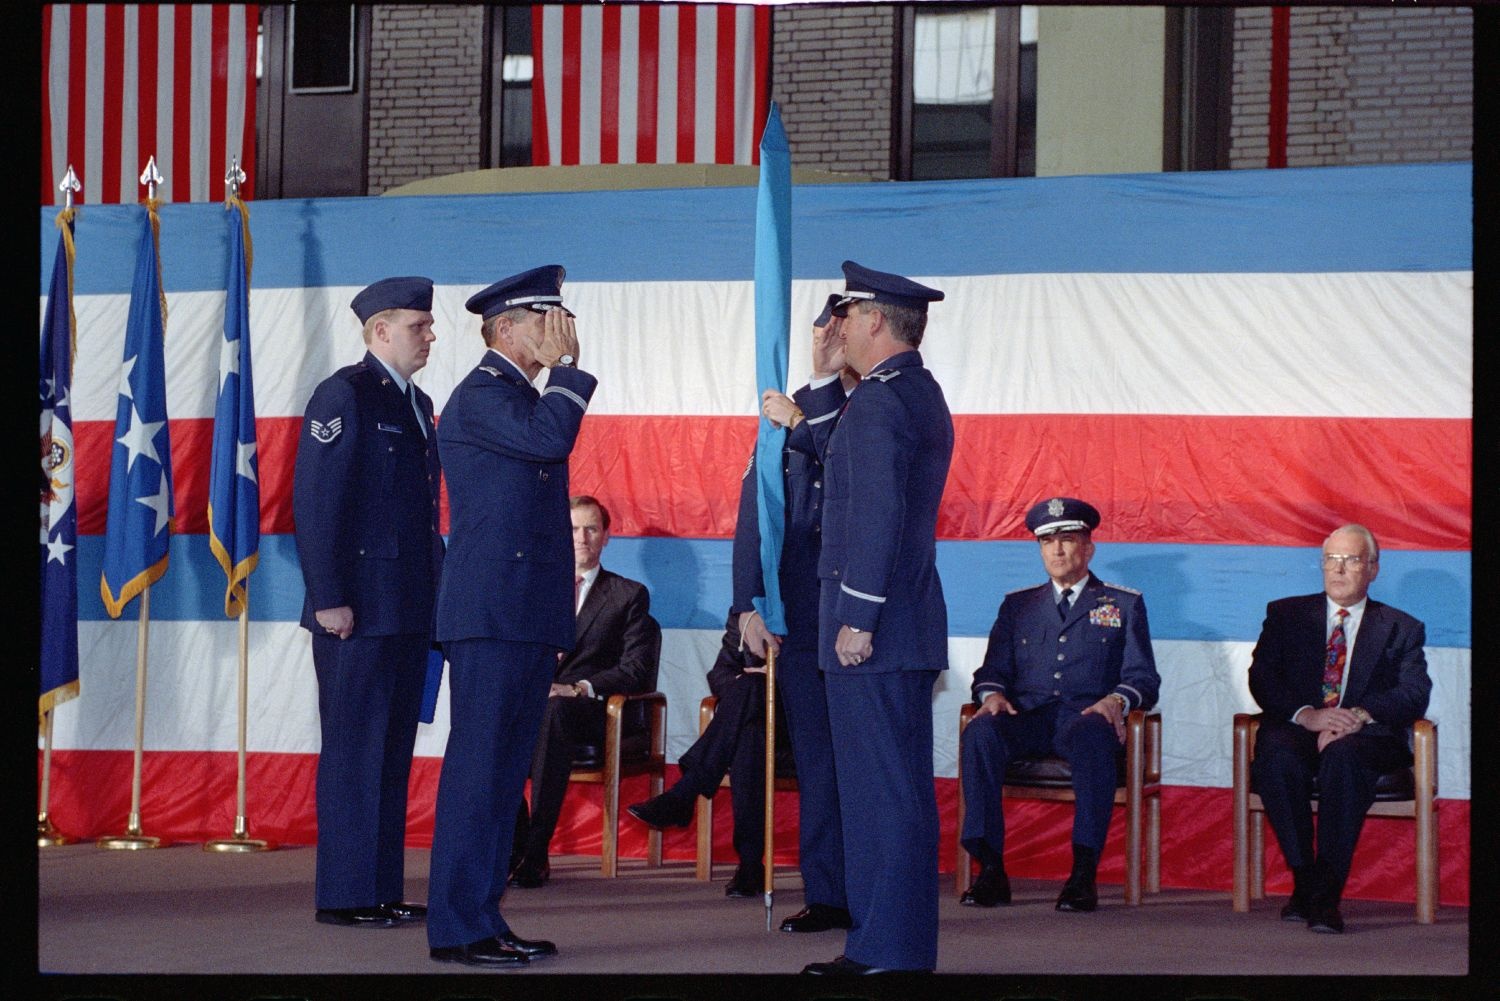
x=121, y=83
x=649, y=83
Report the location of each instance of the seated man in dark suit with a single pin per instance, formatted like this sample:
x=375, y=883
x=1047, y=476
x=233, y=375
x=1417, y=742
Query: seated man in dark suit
x=616, y=653
x=1066, y=662
x=1341, y=679
x=733, y=743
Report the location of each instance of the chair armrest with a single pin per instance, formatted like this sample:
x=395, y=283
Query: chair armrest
x=1424, y=754
x=656, y=716
x=965, y=714
x=706, y=710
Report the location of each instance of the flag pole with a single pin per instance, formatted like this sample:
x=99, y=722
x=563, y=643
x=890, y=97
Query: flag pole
x=133, y=839
x=770, y=849
x=46, y=834
x=241, y=840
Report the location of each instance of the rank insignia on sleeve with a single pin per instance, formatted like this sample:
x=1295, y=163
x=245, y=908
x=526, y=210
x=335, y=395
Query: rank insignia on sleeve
x=1105, y=615
x=325, y=433
x=748, y=466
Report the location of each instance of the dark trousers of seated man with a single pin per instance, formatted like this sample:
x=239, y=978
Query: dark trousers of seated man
x=735, y=743
x=990, y=743
x=567, y=723
x=1286, y=761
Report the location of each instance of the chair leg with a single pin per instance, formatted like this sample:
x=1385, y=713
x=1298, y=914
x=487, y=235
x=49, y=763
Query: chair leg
x=1257, y=856
x=1133, y=849
x=1427, y=864
x=705, y=823
x=963, y=868
x=1153, y=843
x=608, y=862
x=653, y=838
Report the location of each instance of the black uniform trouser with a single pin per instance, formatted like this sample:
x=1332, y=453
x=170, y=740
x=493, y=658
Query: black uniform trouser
x=1286, y=761
x=369, y=695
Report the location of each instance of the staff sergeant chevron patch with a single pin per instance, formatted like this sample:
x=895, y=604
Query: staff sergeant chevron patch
x=325, y=432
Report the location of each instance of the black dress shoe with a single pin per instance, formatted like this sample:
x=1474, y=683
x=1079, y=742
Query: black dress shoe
x=533, y=948
x=530, y=874
x=818, y=917
x=1295, y=909
x=749, y=880
x=486, y=952
x=991, y=889
x=662, y=811
x=356, y=917
x=844, y=966
x=402, y=911
x=1326, y=918
x=1078, y=893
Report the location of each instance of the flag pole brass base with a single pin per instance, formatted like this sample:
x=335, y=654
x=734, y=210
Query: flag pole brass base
x=47, y=835
x=238, y=844
x=130, y=841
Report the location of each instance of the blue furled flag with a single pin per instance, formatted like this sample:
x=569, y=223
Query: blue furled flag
x=233, y=480
x=773, y=321
x=140, y=469
x=59, y=674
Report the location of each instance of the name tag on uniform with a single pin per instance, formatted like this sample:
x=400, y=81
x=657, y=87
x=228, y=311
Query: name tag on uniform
x=393, y=429
x=1105, y=615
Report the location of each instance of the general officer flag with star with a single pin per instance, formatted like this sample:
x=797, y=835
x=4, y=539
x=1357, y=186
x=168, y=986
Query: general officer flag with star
x=233, y=483
x=140, y=470
x=59, y=668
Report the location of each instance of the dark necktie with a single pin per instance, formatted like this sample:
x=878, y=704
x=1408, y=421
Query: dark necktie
x=1063, y=605
x=577, y=589
x=1333, y=661
x=411, y=404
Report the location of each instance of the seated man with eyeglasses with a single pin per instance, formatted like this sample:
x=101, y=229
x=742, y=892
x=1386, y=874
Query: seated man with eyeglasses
x=1341, y=678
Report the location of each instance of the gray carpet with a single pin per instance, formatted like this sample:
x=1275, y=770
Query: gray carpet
x=181, y=910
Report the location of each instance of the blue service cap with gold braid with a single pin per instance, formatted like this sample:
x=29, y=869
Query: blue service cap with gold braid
x=1062, y=514
x=409, y=292
x=861, y=282
x=538, y=290
x=827, y=314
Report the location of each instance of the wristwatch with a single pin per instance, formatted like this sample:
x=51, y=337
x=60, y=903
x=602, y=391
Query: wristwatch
x=855, y=629
x=568, y=360
x=579, y=690
x=1124, y=702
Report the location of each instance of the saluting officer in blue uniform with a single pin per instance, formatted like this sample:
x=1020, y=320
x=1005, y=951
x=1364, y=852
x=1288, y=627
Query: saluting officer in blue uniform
x=1067, y=661
x=505, y=604
x=738, y=725
x=882, y=622
x=365, y=501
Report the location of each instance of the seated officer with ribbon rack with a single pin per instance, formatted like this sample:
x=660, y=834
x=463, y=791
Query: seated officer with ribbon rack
x=1067, y=661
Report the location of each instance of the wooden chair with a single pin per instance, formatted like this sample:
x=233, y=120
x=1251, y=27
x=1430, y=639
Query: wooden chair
x=705, y=806
x=642, y=751
x=1050, y=777
x=1408, y=792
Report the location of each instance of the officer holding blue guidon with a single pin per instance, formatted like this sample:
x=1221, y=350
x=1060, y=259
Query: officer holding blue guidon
x=1067, y=661
x=365, y=501
x=506, y=601
x=882, y=622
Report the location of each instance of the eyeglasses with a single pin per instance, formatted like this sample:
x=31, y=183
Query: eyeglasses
x=1339, y=561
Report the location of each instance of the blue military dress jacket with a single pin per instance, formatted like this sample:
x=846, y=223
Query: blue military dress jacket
x=884, y=470
x=365, y=503
x=1102, y=646
x=505, y=447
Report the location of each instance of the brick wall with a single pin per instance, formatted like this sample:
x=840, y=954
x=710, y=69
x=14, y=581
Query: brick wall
x=1365, y=85
x=425, y=74
x=832, y=73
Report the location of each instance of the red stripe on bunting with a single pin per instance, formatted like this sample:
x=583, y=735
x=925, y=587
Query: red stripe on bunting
x=190, y=796
x=181, y=185
x=540, y=152
x=762, y=79
x=218, y=89
x=1227, y=480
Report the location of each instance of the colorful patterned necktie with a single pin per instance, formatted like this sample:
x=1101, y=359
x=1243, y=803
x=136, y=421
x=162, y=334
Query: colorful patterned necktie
x=1333, y=661
x=1063, y=605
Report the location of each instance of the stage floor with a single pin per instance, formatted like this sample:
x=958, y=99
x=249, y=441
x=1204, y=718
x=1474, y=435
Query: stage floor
x=181, y=910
